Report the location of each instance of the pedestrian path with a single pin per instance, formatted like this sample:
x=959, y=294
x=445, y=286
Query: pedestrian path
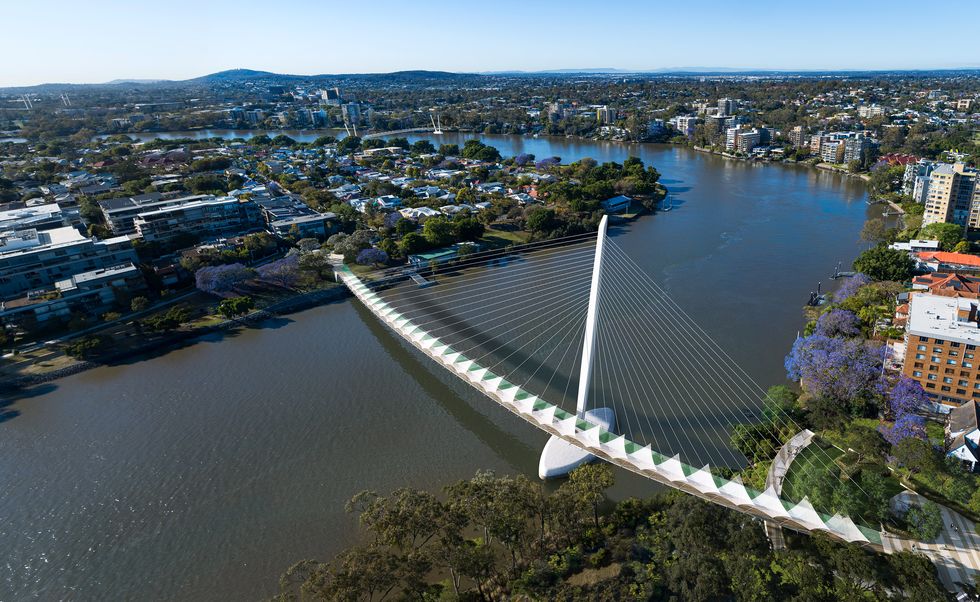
x=956, y=552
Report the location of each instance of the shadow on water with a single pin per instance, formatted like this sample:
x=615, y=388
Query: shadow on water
x=513, y=449
x=12, y=396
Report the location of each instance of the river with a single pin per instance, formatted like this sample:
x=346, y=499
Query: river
x=203, y=472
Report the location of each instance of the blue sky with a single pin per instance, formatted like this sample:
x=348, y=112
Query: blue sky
x=100, y=40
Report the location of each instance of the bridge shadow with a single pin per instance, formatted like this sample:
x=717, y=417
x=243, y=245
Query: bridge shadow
x=515, y=450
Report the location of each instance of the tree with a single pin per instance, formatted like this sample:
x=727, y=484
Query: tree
x=846, y=370
x=850, y=287
x=438, y=232
x=221, y=278
x=168, y=320
x=236, y=306
x=372, y=256
x=541, y=220
x=413, y=242
x=348, y=145
x=589, y=483
x=916, y=455
x=907, y=397
x=875, y=231
x=926, y=521
x=905, y=426
x=85, y=347
x=838, y=323
x=962, y=247
x=423, y=147
x=948, y=235
x=281, y=272
x=882, y=263
x=139, y=303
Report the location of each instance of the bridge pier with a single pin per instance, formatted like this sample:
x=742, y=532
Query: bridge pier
x=559, y=457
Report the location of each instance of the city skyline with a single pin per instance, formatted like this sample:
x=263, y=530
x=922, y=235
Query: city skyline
x=307, y=38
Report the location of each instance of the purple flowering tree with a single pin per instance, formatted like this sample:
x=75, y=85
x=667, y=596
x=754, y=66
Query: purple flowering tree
x=392, y=219
x=850, y=286
x=907, y=425
x=548, y=163
x=841, y=369
x=219, y=279
x=906, y=397
x=372, y=256
x=523, y=159
x=281, y=272
x=838, y=323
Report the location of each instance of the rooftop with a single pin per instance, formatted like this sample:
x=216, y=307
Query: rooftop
x=947, y=318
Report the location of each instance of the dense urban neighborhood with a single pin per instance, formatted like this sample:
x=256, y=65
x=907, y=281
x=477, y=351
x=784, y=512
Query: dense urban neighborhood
x=138, y=216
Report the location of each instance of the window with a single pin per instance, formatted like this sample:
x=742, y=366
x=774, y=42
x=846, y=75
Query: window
x=954, y=353
x=968, y=356
x=930, y=386
x=944, y=388
x=939, y=341
x=963, y=383
x=932, y=377
x=961, y=391
x=967, y=364
x=924, y=339
x=917, y=373
x=954, y=344
x=919, y=356
x=971, y=347
x=934, y=359
x=937, y=349
x=947, y=380
x=951, y=362
x=921, y=348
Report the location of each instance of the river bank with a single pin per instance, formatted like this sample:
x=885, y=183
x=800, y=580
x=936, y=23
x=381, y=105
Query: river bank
x=174, y=340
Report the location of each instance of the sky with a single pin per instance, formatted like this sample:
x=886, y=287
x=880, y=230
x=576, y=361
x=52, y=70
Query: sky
x=92, y=41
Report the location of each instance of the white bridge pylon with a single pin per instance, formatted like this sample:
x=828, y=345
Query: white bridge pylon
x=559, y=456
x=590, y=437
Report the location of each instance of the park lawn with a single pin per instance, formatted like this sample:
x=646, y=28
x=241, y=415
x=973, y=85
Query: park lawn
x=936, y=432
x=793, y=489
x=495, y=239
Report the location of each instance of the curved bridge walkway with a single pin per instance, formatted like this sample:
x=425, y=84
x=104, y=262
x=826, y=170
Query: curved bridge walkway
x=613, y=448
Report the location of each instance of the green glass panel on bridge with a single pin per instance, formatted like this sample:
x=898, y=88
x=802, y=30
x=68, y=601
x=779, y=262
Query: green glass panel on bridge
x=632, y=448
x=540, y=405
x=687, y=469
x=489, y=376
x=561, y=414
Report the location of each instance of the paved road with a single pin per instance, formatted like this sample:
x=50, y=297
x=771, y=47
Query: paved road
x=956, y=552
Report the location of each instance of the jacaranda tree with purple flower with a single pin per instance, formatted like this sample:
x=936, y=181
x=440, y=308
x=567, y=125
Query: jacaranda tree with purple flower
x=218, y=279
x=372, y=256
x=846, y=370
x=907, y=397
x=523, y=159
x=907, y=425
x=850, y=286
x=281, y=272
x=548, y=163
x=838, y=323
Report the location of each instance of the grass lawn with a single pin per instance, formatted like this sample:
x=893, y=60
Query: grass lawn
x=495, y=239
x=793, y=489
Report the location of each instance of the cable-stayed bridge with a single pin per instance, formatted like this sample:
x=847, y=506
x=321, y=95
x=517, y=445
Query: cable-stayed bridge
x=654, y=394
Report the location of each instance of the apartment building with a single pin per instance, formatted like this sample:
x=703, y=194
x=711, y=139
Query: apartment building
x=953, y=196
x=33, y=259
x=605, y=115
x=797, y=136
x=202, y=218
x=120, y=213
x=941, y=342
x=915, y=182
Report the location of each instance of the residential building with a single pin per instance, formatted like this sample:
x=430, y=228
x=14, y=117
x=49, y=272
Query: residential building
x=119, y=213
x=944, y=261
x=203, y=218
x=953, y=196
x=726, y=106
x=797, y=136
x=94, y=293
x=33, y=260
x=941, y=341
x=832, y=151
x=948, y=285
x=287, y=215
x=868, y=111
x=915, y=182
x=915, y=245
x=684, y=124
x=39, y=217
x=858, y=147
x=963, y=434
x=605, y=115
